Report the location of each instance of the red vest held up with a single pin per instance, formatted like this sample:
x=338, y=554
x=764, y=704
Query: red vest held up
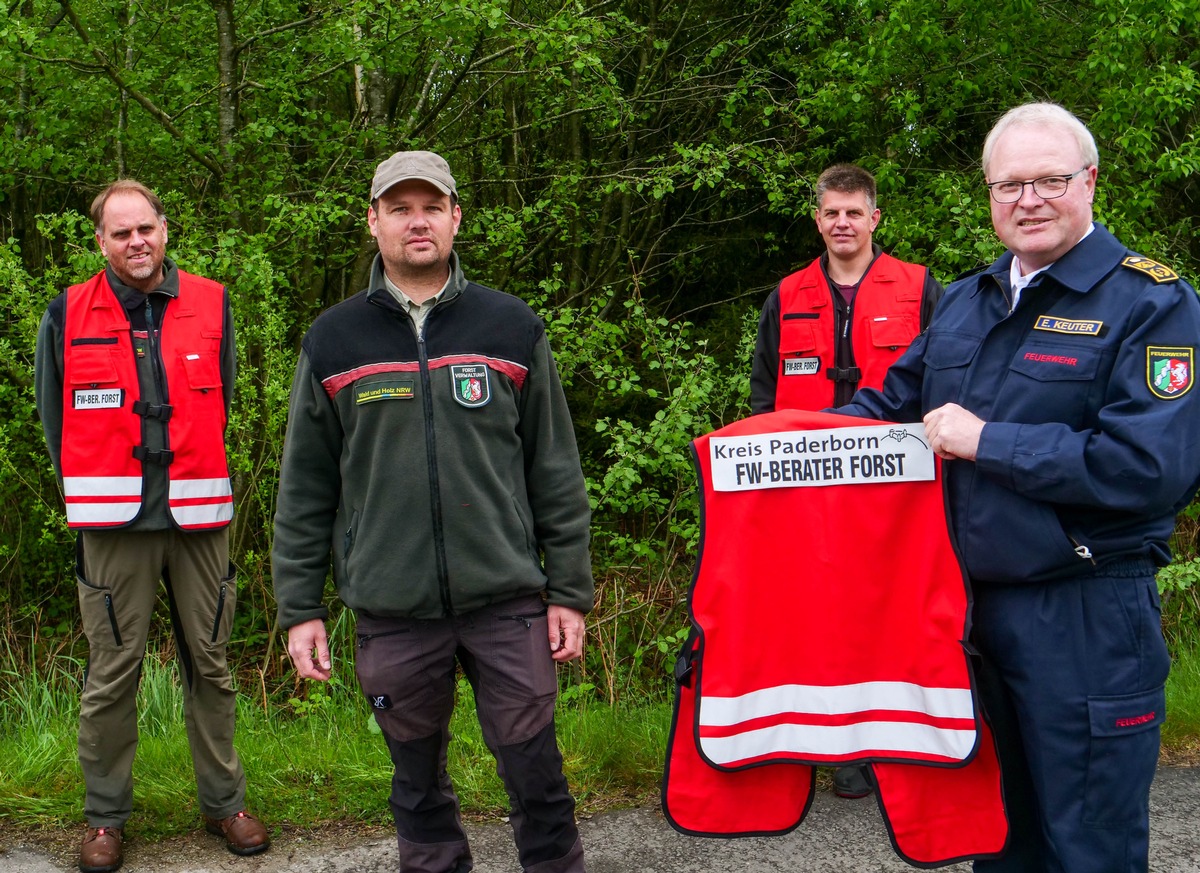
x=102, y=429
x=885, y=317
x=809, y=519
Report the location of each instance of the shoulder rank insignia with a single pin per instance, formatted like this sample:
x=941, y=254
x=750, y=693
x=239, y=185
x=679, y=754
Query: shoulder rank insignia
x=1169, y=371
x=1158, y=272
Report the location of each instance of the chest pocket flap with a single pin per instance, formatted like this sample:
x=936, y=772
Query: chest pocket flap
x=796, y=332
x=892, y=331
x=1057, y=363
x=91, y=366
x=946, y=351
x=202, y=370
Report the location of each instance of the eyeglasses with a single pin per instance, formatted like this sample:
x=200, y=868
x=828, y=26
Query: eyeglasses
x=1046, y=187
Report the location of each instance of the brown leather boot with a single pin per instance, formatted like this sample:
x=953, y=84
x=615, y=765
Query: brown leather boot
x=243, y=833
x=101, y=850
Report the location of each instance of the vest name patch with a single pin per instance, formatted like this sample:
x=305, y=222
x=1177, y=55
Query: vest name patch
x=801, y=366
x=841, y=456
x=402, y=389
x=99, y=398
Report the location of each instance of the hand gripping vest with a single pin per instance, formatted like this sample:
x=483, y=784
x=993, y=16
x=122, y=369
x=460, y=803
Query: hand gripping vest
x=102, y=451
x=885, y=317
x=809, y=518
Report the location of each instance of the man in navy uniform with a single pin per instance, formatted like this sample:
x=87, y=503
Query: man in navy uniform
x=1058, y=385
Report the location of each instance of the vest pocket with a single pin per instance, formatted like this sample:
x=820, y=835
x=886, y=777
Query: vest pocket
x=91, y=365
x=796, y=333
x=892, y=331
x=202, y=370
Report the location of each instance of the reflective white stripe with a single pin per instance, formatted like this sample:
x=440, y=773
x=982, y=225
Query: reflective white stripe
x=836, y=700
x=889, y=737
x=197, y=489
x=102, y=486
x=202, y=513
x=101, y=513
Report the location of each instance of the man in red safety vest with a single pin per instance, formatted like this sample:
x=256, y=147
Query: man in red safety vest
x=134, y=373
x=839, y=323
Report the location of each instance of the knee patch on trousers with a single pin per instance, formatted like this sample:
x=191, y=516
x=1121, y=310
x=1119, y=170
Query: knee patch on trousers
x=423, y=804
x=543, y=811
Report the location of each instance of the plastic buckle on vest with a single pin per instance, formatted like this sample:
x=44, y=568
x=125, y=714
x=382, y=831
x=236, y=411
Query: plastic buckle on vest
x=838, y=374
x=685, y=663
x=684, y=669
x=162, y=412
x=162, y=457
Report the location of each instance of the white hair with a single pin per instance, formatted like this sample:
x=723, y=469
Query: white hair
x=1043, y=115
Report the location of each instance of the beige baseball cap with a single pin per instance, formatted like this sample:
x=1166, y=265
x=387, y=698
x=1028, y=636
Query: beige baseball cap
x=428, y=166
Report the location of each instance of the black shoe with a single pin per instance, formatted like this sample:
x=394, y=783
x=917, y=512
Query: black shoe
x=852, y=782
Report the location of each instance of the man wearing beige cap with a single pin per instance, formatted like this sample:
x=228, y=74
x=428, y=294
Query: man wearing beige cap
x=429, y=448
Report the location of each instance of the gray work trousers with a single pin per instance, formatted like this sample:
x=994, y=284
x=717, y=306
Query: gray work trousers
x=407, y=670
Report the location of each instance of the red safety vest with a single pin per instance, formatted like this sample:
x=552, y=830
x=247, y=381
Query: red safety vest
x=102, y=427
x=809, y=518
x=885, y=317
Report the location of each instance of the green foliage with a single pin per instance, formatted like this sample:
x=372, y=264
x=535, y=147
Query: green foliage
x=640, y=173
x=1180, y=576
x=1183, y=700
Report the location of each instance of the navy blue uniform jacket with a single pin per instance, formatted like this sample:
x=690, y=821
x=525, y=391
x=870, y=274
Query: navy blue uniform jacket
x=1092, y=441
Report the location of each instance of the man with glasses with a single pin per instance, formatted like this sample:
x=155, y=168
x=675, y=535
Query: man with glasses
x=1057, y=386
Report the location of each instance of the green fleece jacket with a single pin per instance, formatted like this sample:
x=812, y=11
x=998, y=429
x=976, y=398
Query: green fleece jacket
x=439, y=471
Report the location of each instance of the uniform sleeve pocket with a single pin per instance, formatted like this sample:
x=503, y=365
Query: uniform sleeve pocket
x=202, y=371
x=1123, y=749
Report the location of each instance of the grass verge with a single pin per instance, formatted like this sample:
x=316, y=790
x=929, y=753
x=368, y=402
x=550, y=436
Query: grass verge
x=317, y=760
x=320, y=759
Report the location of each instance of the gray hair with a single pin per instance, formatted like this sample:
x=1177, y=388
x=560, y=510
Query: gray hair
x=846, y=179
x=1042, y=114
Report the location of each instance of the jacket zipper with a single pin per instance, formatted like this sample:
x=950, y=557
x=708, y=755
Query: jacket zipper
x=160, y=383
x=439, y=533
x=843, y=354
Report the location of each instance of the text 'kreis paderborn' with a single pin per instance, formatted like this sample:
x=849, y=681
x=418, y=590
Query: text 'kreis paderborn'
x=838, y=456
